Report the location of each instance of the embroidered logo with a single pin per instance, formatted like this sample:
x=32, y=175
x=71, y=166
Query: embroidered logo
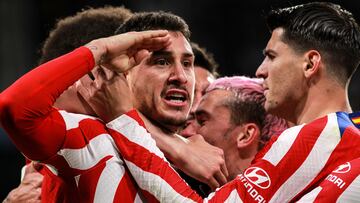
x=258, y=177
x=344, y=168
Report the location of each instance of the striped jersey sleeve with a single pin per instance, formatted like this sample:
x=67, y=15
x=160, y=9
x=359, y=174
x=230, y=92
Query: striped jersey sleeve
x=26, y=107
x=293, y=165
x=81, y=160
x=342, y=185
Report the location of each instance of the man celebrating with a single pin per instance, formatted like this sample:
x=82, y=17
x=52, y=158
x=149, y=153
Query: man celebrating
x=313, y=51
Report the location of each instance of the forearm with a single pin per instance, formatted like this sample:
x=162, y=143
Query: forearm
x=25, y=105
x=172, y=146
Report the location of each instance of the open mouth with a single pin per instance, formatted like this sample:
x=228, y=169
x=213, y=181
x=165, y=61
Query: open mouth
x=176, y=97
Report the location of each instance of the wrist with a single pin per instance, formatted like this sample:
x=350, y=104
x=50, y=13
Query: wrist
x=97, y=49
x=178, y=150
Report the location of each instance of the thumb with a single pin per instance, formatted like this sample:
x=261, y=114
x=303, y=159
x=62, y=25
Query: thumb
x=196, y=137
x=140, y=55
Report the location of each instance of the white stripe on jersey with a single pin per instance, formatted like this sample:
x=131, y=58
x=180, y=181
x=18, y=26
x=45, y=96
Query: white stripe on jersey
x=52, y=169
x=130, y=128
x=72, y=119
x=155, y=184
x=311, y=196
x=88, y=156
x=352, y=192
x=319, y=154
x=138, y=198
x=109, y=181
x=282, y=145
x=233, y=197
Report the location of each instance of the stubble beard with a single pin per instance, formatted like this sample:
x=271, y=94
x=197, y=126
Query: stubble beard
x=163, y=121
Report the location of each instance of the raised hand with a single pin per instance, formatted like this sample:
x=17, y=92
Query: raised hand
x=108, y=94
x=117, y=52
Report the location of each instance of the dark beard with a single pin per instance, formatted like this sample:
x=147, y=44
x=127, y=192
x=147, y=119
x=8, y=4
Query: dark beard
x=165, y=123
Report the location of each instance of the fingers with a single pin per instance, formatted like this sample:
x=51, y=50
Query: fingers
x=86, y=88
x=151, y=37
x=213, y=184
x=150, y=40
x=224, y=171
x=220, y=178
x=33, y=179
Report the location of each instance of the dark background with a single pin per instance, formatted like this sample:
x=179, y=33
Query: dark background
x=234, y=31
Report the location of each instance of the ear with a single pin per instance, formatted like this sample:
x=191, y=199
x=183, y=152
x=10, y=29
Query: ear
x=248, y=135
x=312, y=65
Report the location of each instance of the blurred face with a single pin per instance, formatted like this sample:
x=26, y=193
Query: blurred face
x=214, y=120
x=163, y=83
x=283, y=77
x=203, y=78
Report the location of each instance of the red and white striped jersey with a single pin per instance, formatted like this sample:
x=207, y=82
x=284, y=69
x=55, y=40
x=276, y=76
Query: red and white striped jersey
x=291, y=165
x=342, y=185
x=76, y=148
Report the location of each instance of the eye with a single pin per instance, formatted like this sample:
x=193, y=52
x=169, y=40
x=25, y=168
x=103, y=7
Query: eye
x=187, y=63
x=269, y=56
x=201, y=121
x=162, y=62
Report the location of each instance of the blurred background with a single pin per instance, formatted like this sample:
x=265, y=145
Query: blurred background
x=234, y=31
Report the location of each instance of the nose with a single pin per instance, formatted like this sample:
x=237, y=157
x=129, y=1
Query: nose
x=178, y=74
x=196, y=102
x=190, y=129
x=261, y=72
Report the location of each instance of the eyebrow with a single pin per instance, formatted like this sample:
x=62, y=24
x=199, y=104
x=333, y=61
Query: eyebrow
x=268, y=51
x=201, y=112
x=169, y=53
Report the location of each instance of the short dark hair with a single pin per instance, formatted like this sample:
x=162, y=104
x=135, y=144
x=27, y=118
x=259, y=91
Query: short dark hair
x=74, y=31
x=204, y=59
x=325, y=27
x=153, y=21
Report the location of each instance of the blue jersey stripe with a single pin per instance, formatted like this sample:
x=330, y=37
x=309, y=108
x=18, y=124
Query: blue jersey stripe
x=343, y=121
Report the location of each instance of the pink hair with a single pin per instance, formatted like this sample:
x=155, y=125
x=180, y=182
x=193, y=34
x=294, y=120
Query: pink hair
x=250, y=90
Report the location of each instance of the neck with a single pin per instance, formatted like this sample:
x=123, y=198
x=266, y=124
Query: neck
x=154, y=128
x=237, y=162
x=322, y=99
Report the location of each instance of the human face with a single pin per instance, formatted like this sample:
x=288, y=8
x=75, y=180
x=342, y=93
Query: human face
x=203, y=78
x=163, y=83
x=214, y=120
x=284, y=82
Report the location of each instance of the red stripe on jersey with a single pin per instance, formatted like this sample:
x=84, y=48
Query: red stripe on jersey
x=126, y=190
x=350, y=142
x=135, y=115
x=88, y=182
x=292, y=160
x=266, y=148
x=79, y=137
x=338, y=182
x=157, y=166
